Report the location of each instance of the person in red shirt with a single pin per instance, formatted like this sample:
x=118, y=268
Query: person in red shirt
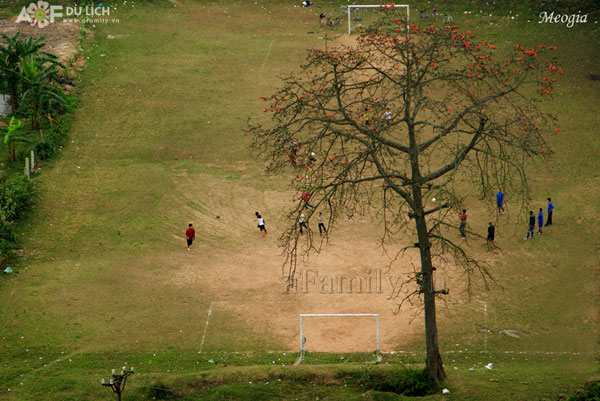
x=463, y=224
x=305, y=197
x=190, y=235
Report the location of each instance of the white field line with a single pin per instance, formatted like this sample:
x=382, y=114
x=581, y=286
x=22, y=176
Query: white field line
x=210, y=309
x=413, y=353
x=267, y=55
x=487, y=327
x=481, y=352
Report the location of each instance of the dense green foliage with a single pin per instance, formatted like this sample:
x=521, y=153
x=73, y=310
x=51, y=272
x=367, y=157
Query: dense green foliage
x=159, y=391
x=12, y=136
x=15, y=197
x=41, y=96
x=405, y=381
x=591, y=393
x=54, y=138
x=32, y=79
x=19, y=55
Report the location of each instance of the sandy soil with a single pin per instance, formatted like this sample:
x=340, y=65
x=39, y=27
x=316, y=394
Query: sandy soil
x=235, y=264
x=61, y=37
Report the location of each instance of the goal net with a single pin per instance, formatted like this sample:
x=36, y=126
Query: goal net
x=364, y=15
x=327, y=338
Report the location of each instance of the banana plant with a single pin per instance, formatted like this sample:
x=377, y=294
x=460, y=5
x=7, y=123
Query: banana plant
x=11, y=55
x=11, y=138
x=40, y=96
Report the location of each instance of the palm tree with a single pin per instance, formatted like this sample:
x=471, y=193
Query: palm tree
x=11, y=138
x=40, y=96
x=11, y=55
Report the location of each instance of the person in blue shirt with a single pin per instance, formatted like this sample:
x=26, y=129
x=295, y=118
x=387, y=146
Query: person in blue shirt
x=540, y=221
x=500, y=201
x=531, y=225
x=550, y=211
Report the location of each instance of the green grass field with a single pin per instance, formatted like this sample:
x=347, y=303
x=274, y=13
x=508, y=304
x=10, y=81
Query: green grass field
x=158, y=140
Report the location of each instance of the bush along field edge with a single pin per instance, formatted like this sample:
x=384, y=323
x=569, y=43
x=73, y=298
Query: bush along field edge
x=43, y=97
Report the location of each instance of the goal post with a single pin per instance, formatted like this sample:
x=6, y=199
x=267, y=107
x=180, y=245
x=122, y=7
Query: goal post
x=351, y=7
x=303, y=316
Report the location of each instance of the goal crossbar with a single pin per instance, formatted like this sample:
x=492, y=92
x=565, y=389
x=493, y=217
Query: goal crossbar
x=381, y=5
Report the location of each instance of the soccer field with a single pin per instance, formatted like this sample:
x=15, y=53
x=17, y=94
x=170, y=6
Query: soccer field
x=158, y=141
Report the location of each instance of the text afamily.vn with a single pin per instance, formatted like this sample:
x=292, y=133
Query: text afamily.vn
x=371, y=282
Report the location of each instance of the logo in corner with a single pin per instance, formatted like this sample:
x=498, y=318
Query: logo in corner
x=36, y=14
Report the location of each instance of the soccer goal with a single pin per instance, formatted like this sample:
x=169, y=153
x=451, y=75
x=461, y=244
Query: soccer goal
x=366, y=14
x=327, y=338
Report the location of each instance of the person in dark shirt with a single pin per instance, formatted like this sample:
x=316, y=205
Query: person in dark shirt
x=190, y=235
x=550, y=212
x=531, y=224
x=491, y=236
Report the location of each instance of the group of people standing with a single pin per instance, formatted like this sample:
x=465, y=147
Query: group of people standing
x=540, y=220
x=387, y=115
x=302, y=223
x=491, y=236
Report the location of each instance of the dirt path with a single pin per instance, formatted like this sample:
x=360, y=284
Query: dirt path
x=61, y=37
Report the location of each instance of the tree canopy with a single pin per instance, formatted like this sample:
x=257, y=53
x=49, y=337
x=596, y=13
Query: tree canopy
x=401, y=118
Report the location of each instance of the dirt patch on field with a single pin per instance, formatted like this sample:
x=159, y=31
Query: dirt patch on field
x=242, y=270
x=346, y=40
x=61, y=37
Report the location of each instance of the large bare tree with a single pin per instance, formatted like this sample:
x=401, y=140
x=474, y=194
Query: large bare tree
x=385, y=126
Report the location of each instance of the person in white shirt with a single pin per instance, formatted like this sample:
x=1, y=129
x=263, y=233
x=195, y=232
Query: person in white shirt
x=321, y=223
x=302, y=223
x=261, y=225
x=388, y=116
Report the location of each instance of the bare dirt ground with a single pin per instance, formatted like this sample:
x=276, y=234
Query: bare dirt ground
x=236, y=265
x=61, y=37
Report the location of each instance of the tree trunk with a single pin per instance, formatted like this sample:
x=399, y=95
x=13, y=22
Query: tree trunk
x=11, y=152
x=36, y=119
x=434, y=365
x=14, y=99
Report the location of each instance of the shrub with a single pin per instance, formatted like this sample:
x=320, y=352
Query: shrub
x=44, y=150
x=54, y=138
x=591, y=393
x=409, y=382
x=15, y=197
x=160, y=391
